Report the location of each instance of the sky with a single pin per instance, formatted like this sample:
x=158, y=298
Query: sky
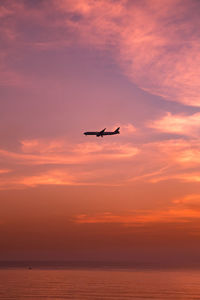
x=69, y=66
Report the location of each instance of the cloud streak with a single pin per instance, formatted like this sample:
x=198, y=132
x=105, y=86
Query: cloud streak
x=188, y=125
x=57, y=162
x=61, y=162
x=139, y=218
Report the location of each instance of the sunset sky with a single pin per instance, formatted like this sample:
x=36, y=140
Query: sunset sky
x=69, y=66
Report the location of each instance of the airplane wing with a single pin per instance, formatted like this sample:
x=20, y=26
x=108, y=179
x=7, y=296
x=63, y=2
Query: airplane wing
x=102, y=131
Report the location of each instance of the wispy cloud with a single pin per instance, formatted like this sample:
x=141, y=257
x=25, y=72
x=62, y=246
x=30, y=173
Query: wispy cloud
x=182, y=210
x=60, y=162
x=51, y=177
x=176, y=159
x=127, y=129
x=139, y=218
x=183, y=152
x=55, y=177
x=188, y=125
x=4, y=171
x=156, y=43
x=189, y=201
x=51, y=161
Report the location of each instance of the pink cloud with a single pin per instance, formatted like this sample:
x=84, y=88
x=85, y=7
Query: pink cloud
x=156, y=43
x=181, y=124
x=126, y=129
x=4, y=12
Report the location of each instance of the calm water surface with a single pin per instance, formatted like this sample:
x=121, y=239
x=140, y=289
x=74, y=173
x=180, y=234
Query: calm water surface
x=98, y=284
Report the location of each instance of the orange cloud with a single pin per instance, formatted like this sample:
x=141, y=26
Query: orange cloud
x=3, y=171
x=60, y=151
x=183, y=152
x=101, y=162
x=51, y=177
x=58, y=162
x=191, y=177
x=182, y=210
x=176, y=159
x=138, y=217
x=172, y=159
x=191, y=200
x=55, y=177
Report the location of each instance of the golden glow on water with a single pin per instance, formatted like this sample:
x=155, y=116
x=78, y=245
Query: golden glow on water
x=99, y=284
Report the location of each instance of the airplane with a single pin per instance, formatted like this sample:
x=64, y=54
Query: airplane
x=102, y=132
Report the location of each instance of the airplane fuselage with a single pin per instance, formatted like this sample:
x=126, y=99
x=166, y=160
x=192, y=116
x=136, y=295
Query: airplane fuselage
x=102, y=133
x=98, y=134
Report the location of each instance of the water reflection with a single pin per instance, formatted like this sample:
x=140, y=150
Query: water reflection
x=99, y=284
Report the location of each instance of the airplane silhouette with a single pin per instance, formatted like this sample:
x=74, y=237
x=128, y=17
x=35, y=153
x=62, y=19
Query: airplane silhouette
x=102, y=132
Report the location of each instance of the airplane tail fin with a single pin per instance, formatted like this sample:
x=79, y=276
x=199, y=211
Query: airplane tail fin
x=117, y=130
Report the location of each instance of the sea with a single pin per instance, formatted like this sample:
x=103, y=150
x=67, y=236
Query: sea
x=96, y=283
